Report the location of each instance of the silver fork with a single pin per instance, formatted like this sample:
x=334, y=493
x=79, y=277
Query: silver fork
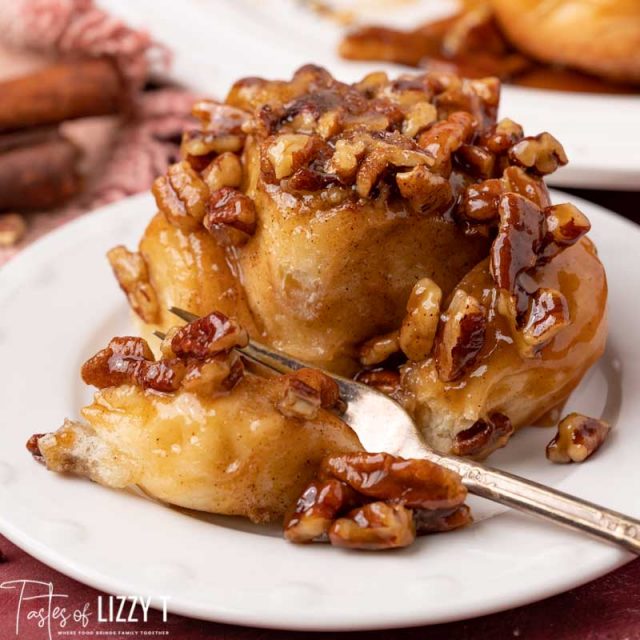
x=383, y=425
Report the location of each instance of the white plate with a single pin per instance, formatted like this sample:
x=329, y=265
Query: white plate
x=60, y=304
x=217, y=42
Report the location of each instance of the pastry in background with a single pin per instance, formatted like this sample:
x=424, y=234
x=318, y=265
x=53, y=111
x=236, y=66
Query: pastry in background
x=572, y=45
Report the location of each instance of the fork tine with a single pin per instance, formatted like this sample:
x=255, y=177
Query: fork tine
x=159, y=334
x=187, y=316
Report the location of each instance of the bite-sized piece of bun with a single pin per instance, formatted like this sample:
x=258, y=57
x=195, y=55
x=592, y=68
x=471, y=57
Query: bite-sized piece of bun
x=194, y=429
x=597, y=36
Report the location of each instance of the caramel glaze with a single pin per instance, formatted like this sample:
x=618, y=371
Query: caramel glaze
x=503, y=381
x=424, y=47
x=192, y=271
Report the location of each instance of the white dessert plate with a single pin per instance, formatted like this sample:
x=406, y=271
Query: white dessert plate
x=217, y=42
x=60, y=304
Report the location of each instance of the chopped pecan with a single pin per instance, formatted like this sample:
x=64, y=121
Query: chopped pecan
x=374, y=526
x=547, y=314
x=442, y=520
x=446, y=137
x=381, y=155
x=220, y=118
x=541, y=154
x=461, y=336
x=207, y=336
x=378, y=349
x=425, y=190
x=414, y=483
x=480, y=201
x=33, y=447
x=318, y=506
x=132, y=274
x=289, y=152
x=163, y=375
x=419, y=326
x=501, y=137
x=385, y=381
x=479, y=98
x=578, y=438
x=181, y=195
x=475, y=160
x=13, y=226
x=299, y=400
x=565, y=225
x=529, y=186
x=483, y=437
x=520, y=236
x=220, y=372
x=128, y=360
x=223, y=171
x=228, y=208
x=419, y=117
x=346, y=158
x=306, y=391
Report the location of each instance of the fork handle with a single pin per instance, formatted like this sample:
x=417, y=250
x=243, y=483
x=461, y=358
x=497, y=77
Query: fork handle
x=542, y=501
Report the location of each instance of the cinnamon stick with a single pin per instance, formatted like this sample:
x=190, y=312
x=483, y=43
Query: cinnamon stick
x=39, y=176
x=62, y=91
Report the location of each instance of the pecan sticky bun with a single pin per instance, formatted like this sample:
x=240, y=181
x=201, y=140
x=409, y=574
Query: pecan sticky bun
x=391, y=229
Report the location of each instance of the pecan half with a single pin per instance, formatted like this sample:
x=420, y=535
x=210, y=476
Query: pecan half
x=461, y=336
x=210, y=335
x=132, y=274
x=418, y=330
x=541, y=154
x=181, y=195
x=316, y=509
x=483, y=437
x=414, y=483
x=374, y=526
x=229, y=208
x=578, y=438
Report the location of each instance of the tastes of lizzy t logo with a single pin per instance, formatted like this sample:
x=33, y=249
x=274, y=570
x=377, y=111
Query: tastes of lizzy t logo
x=38, y=604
